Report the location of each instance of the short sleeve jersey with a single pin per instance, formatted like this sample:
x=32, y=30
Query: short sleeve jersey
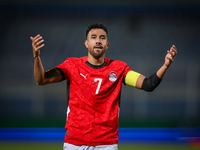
x=94, y=95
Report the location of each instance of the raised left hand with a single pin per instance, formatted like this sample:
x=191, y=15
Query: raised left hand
x=171, y=54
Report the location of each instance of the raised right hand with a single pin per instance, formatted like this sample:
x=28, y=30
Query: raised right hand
x=37, y=44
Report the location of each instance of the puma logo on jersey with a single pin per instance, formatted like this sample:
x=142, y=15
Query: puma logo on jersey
x=84, y=76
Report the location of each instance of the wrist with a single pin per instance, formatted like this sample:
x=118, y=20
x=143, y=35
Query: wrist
x=166, y=66
x=36, y=56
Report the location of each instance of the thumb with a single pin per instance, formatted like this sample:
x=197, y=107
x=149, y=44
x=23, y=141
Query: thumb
x=31, y=38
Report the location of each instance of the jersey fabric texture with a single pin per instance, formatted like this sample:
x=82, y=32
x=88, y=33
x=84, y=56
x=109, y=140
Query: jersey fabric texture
x=93, y=100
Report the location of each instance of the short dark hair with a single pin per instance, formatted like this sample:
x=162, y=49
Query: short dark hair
x=96, y=26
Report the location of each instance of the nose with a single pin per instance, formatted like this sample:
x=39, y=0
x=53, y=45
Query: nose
x=98, y=41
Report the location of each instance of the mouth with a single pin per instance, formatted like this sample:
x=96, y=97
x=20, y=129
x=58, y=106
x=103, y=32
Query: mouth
x=98, y=47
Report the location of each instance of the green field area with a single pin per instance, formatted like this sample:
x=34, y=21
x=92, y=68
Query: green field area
x=59, y=146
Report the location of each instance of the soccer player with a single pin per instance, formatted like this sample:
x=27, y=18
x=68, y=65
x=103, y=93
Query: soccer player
x=94, y=85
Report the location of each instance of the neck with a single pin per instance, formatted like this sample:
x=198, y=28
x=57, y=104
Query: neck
x=95, y=61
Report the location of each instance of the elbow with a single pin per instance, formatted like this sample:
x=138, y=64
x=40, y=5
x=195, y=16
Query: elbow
x=148, y=89
x=40, y=83
x=149, y=84
x=40, y=80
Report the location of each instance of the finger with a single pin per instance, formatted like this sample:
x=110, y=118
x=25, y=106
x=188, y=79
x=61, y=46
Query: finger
x=39, y=42
x=39, y=47
x=175, y=51
x=31, y=38
x=36, y=36
x=170, y=57
x=173, y=48
x=37, y=39
x=171, y=53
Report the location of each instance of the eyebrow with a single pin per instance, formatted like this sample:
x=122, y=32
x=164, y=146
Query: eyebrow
x=100, y=35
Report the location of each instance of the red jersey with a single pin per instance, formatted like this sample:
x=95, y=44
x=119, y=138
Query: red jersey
x=94, y=95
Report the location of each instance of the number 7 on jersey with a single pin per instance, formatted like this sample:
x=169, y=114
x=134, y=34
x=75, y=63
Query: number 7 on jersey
x=99, y=84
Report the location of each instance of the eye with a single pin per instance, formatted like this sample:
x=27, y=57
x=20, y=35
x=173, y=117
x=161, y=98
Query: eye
x=103, y=37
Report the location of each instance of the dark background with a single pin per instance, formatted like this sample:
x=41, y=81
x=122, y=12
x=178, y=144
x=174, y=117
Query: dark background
x=140, y=33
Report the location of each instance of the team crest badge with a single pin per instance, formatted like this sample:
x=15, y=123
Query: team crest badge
x=112, y=76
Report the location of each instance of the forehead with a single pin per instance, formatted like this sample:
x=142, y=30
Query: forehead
x=97, y=32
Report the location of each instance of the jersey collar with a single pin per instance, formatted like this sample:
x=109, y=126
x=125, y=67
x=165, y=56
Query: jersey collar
x=95, y=66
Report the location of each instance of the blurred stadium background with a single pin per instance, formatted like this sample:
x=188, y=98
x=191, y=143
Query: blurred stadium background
x=140, y=33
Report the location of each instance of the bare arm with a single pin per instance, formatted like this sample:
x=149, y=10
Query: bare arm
x=42, y=77
x=169, y=58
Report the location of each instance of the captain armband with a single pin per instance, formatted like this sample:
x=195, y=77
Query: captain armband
x=149, y=84
x=131, y=78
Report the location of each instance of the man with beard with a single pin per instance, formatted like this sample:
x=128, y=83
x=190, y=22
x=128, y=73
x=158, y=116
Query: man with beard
x=94, y=86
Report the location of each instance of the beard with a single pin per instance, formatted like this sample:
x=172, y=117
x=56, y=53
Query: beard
x=97, y=53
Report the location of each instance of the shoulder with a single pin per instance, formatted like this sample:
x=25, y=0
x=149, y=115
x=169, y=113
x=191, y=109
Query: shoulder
x=115, y=62
x=119, y=65
x=75, y=59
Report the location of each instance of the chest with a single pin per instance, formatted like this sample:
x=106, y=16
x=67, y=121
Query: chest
x=97, y=81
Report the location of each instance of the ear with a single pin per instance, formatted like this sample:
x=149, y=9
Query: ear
x=108, y=44
x=86, y=43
